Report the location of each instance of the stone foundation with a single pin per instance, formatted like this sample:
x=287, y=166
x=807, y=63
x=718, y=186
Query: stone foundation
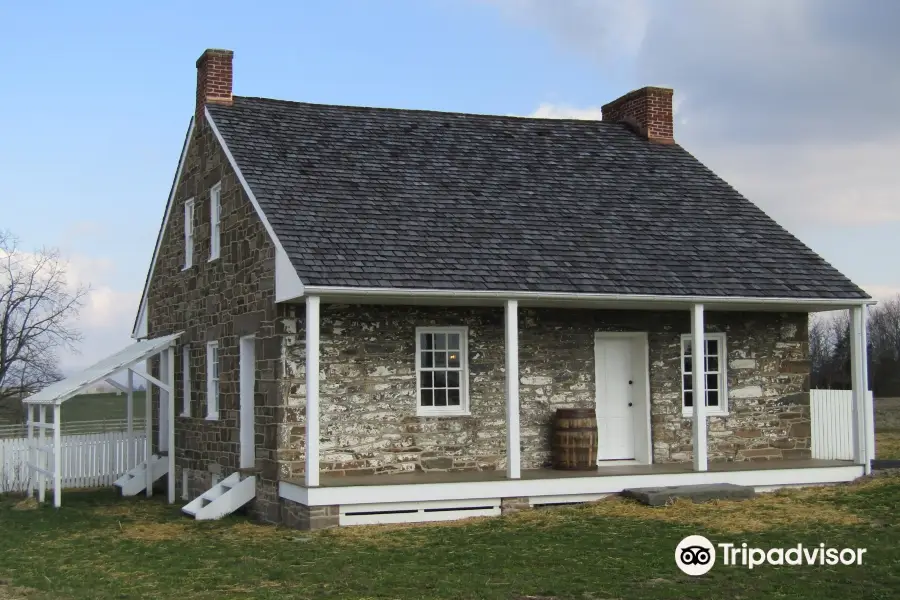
x=513, y=505
x=300, y=516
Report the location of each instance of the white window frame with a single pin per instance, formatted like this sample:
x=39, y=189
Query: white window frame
x=186, y=380
x=444, y=411
x=212, y=380
x=713, y=411
x=215, y=221
x=188, y=234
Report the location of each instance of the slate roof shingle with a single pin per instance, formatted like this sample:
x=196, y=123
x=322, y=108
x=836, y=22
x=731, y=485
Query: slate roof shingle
x=374, y=197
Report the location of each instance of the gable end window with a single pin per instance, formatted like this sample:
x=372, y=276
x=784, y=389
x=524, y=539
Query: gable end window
x=215, y=217
x=715, y=372
x=189, y=233
x=212, y=380
x=442, y=371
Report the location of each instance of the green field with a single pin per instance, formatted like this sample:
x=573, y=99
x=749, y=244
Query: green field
x=103, y=547
x=88, y=407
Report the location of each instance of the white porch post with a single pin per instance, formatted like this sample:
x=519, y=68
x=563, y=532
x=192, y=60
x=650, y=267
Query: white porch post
x=42, y=452
x=312, y=391
x=148, y=430
x=863, y=427
x=513, y=458
x=698, y=370
x=57, y=455
x=170, y=430
x=162, y=439
x=129, y=408
x=30, y=473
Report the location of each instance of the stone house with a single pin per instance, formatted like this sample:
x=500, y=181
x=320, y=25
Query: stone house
x=381, y=310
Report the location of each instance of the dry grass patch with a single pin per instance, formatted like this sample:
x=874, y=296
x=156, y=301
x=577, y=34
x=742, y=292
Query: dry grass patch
x=28, y=503
x=155, y=532
x=887, y=445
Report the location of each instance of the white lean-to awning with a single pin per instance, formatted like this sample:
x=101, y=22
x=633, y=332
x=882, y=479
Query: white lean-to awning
x=44, y=452
x=59, y=392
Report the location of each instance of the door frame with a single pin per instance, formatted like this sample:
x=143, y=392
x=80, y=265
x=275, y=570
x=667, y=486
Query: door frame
x=246, y=400
x=640, y=364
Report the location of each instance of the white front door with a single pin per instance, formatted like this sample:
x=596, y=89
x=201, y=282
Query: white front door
x=248, y=388
x=617, y=408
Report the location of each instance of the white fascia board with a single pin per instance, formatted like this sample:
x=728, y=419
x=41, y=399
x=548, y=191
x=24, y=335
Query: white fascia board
x=140, y=322
x=563, y=297
x=554, y=487
x=287, y=282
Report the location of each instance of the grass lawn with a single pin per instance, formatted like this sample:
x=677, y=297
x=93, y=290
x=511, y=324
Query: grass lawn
x=99, y=546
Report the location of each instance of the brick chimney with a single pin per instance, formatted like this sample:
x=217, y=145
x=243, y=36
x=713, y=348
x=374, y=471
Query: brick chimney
x=648, y=111
x=213, y=80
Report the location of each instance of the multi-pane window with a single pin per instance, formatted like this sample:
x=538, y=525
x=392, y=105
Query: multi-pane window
x=714, y=372
x=441, y=370
x=188, y=233
x=215, y=217
x=186, y=381
x=212, y=380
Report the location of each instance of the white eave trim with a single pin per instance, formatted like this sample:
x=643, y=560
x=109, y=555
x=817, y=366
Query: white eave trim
x=287, y=282
x=563, y=297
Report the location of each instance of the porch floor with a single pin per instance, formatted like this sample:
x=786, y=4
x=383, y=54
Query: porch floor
x=420, y=477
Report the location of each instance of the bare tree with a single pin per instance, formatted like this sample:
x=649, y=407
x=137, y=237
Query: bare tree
x=884, y=348
x=37, y=309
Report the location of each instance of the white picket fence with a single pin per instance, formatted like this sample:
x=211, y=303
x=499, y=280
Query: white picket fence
x=832, y=423
x=93, y=460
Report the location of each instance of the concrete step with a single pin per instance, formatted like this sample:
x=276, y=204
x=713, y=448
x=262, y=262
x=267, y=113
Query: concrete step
x=660, y=496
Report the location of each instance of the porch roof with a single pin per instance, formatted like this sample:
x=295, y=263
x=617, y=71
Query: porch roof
x=60, y=391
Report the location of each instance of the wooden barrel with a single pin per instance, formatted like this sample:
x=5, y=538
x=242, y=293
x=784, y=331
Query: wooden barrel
x=575, y=439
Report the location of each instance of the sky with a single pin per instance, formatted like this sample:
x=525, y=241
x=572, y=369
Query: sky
x=793, y=102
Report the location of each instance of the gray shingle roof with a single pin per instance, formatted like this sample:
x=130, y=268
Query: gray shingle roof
x=418, y=199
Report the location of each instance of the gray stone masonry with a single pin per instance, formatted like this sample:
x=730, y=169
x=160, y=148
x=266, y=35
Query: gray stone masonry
x=660, y=496
x=219, y=300
x=368, y=394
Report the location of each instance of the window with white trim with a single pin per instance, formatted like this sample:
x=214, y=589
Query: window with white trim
x=212, y=380
x=442, y=371
x=185, y=381
x=715, y=372
x=189, y=233
x=215, y=220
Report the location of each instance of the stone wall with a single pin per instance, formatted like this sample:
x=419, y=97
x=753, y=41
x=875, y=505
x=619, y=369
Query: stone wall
x=368, y=395
x=218, y=300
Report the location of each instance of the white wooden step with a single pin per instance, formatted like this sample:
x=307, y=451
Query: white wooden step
x=222, y=499
x=135, y=481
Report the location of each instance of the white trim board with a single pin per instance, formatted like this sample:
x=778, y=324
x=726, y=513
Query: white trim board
x=557, y=487
x=290, y=285
x=491, y=297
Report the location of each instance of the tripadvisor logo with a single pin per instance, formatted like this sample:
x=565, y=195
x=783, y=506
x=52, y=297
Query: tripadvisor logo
x=696, y=555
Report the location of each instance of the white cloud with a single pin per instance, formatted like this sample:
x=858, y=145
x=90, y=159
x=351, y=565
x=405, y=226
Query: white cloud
x=563, y=111
x=794, y=103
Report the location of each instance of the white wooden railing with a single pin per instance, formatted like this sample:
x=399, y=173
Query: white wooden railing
x=92, y=460
x=832, y=424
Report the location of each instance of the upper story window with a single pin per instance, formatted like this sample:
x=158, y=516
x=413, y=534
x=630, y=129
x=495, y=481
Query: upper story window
x=715, y=372
x=212, y=380
x=215, y=216
x=442, y=371
x=188, y=233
